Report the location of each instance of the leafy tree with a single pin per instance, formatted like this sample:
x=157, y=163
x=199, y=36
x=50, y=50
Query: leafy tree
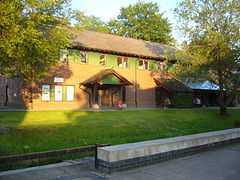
x=142, y=21
x=83, y=21
x=32, y=34
x=212, y=27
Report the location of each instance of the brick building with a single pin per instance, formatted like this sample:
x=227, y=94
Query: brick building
x=99, y=70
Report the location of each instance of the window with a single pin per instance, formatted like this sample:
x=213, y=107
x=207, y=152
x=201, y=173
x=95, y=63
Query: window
x=143, y=64
x=102, y=59
x=70, y=93
x=63, y=55
x=122, y=62
x=45, y=93
x=83, y=57
x=57, y=93
x=161, y=66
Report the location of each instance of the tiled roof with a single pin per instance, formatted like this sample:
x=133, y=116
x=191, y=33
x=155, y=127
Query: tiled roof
x=172, y=84
x=121, y=45
x=203, y=85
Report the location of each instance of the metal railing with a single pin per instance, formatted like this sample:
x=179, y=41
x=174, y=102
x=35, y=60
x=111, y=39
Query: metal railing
x=46, y=154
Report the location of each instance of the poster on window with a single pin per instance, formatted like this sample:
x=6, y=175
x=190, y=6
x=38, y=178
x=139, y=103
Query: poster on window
x=45, y=93
x=58, y=93
x=70, y=93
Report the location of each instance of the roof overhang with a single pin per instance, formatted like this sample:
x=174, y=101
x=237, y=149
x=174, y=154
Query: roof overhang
x=106, y=77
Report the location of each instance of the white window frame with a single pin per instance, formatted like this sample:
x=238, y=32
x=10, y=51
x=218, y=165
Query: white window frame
x=123, y=64
x=58, y=96
x=143, y=66
x=70, y=93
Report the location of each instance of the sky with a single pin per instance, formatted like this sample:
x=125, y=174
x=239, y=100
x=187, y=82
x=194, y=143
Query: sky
x=107, y=9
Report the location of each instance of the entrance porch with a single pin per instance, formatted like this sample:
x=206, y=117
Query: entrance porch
x=106, y=89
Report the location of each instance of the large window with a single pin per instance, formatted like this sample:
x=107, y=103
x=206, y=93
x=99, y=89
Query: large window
x=45, y=93
x=70, y=93
x=83, y=57
x=143, y=64
x=57, y=93
x=102, y=59
x=122, y=62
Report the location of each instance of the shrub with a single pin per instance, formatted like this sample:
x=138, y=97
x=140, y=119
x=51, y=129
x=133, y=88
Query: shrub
x=182, y=100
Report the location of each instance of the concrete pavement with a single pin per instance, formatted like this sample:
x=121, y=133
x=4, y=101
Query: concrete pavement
x=220, y=164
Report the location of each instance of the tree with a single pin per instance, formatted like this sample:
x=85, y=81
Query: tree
x=142, y=21
x=83, y=21
x=32, y=34
x=212, y=27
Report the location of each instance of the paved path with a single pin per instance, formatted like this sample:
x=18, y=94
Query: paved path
x=220, y=164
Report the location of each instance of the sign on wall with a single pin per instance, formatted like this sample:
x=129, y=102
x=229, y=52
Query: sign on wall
x=45, y=93
x=70, y=93
x=58, y=79
x=58, y=93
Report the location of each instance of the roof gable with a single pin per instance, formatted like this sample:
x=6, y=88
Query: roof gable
x=107, y=76
x=172, y=84
x=110, y=79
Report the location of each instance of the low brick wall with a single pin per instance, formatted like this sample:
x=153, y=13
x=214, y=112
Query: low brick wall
x=126, y=156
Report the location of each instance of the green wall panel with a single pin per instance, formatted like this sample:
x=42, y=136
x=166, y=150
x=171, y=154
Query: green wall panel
x=52, y=93
x=133, y=63
x=93, y=58
x=64, y=93
x=111, y=60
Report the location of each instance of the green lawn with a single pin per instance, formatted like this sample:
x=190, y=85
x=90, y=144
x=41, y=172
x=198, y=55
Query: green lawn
x=36, y=131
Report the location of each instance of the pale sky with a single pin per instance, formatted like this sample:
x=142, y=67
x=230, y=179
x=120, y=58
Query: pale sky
x=107, y=9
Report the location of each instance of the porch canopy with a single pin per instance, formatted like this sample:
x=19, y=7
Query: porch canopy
x=172, y=85
x=106, y=79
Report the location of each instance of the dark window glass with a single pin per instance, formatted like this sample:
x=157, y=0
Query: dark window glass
x=119, y=62
x=125, y=62
x=145, y=64
x=140, y=64
x=102, y=59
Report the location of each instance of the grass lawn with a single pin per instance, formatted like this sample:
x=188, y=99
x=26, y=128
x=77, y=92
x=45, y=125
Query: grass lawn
x=36, y=131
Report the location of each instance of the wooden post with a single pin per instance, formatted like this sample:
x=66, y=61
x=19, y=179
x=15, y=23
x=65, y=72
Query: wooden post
x=123, y=93
x=95, y=93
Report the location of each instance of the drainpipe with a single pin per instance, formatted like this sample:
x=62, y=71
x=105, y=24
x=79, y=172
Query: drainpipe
x=135, y=87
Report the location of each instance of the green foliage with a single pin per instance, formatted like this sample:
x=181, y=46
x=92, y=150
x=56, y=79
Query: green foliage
x=212, y=27
x=142, y=21
x=83, y=21
x=32, y=34
x=182, y=100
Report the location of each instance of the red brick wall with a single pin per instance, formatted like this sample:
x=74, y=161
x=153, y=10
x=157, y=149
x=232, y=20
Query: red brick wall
x=74, y=74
